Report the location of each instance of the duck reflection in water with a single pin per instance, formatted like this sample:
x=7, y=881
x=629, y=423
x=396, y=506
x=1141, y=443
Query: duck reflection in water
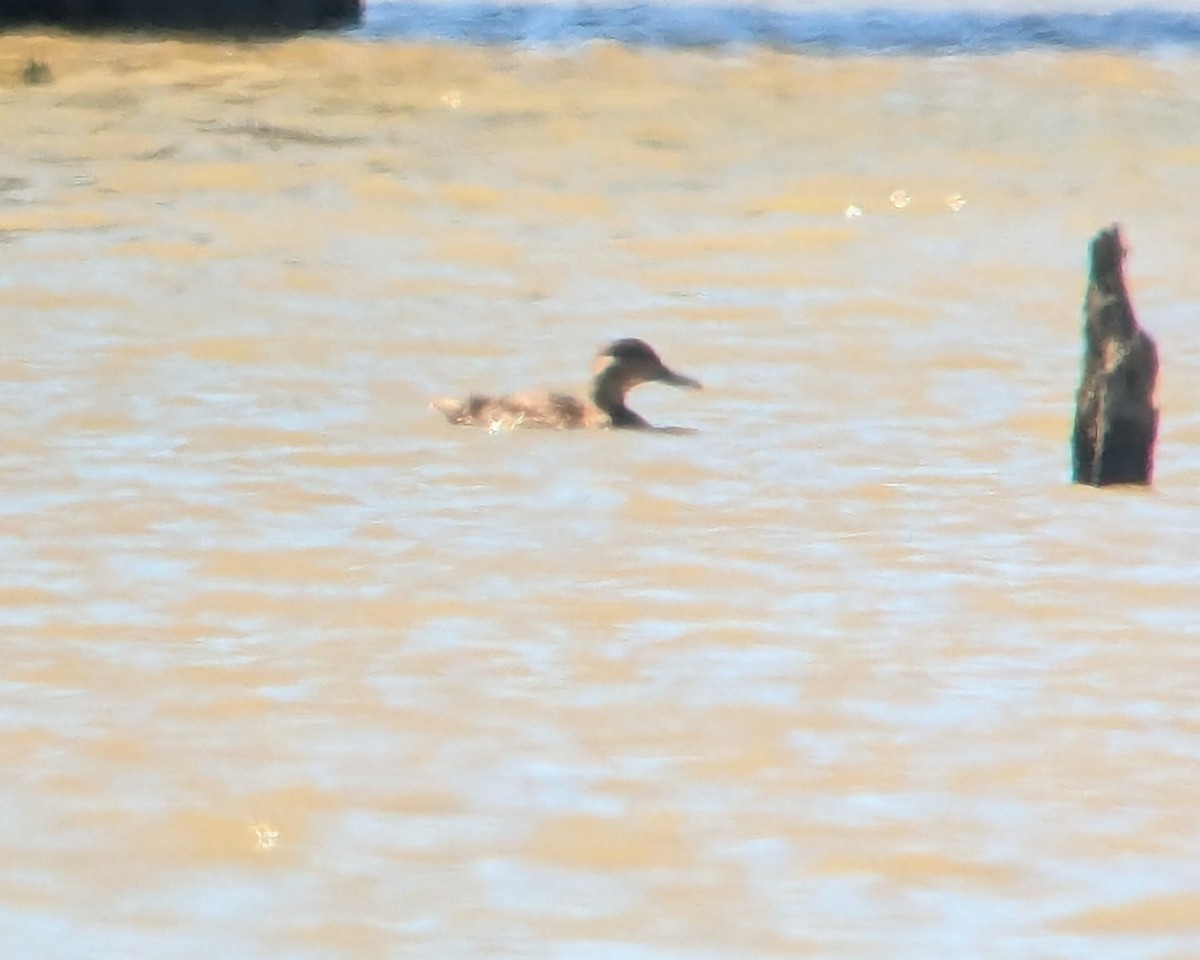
x=617, y=369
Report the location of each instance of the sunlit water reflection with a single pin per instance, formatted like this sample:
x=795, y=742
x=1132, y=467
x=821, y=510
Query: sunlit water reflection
x=294, y=668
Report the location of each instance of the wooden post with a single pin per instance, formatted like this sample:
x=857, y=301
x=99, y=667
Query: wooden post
x=1116, y=422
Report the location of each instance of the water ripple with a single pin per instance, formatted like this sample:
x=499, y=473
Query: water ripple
x=872, y=30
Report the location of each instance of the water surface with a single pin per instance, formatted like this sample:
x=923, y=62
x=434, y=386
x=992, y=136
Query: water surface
x=292, y=668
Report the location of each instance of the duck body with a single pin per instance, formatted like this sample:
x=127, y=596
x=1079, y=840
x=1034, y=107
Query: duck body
x=534, y=410
x=617, y=369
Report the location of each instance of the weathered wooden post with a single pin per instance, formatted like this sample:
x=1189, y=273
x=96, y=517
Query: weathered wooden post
x=216, y=16
x=1116, y=422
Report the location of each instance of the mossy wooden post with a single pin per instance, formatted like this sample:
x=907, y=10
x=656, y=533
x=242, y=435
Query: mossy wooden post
x=1116, y=422
x=214, y=16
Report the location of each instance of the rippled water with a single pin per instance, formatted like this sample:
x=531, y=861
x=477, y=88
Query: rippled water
x=293, y=668
x=925, y=27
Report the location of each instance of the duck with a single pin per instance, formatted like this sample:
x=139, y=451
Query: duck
x=617, y=369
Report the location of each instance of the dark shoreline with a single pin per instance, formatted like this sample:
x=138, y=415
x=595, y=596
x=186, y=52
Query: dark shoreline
x=240, y=17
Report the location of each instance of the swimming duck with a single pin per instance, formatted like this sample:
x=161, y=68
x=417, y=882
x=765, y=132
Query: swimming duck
x=617, y=369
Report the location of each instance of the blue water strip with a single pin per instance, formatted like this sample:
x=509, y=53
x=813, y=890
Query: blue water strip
x=687, y=25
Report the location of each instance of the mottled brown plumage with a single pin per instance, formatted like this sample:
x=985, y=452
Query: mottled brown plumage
x=617, y=369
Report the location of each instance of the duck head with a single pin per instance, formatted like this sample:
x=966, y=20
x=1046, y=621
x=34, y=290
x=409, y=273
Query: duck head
x=623, y=365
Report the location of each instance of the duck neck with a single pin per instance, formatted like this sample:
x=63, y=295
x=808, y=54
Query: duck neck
x=608, y=393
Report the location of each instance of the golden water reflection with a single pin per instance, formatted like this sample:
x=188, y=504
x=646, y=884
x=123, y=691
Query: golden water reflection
x=293, y=668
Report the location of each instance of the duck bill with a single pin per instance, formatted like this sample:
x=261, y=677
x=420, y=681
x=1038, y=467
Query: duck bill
x=674, y=379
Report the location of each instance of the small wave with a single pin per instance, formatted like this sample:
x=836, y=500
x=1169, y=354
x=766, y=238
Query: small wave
x=879, y=30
